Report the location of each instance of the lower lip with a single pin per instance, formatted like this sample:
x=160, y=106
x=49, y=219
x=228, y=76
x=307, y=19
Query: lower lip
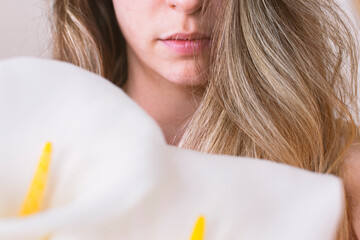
x=187, y=47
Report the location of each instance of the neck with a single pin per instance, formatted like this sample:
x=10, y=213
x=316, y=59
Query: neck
x=171, y=105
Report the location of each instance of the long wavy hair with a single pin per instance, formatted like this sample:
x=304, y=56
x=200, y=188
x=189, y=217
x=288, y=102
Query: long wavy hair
x=281, y=85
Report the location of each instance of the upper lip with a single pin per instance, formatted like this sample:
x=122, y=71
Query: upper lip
x=187, y=36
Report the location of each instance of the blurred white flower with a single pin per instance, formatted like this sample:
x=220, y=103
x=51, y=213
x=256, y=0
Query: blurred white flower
x=112, y=176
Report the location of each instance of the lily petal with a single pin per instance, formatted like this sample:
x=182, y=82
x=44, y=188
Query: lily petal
x=114, y=177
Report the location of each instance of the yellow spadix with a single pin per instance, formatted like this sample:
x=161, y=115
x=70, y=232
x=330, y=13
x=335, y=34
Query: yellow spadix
x=199, y=229
x=35, y=195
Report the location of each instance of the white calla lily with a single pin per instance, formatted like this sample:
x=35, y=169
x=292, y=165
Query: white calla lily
x=112, y=175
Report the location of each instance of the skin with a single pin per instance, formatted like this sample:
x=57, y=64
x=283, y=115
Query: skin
x=159, y=80
x=357, y=5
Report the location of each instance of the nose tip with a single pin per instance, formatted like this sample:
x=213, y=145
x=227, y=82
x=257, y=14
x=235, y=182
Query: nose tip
x=185, y=6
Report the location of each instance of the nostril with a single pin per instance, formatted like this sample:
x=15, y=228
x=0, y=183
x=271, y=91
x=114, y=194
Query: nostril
x=186, y=6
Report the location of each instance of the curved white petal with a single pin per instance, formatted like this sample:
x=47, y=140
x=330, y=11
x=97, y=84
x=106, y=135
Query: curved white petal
x=113, y=176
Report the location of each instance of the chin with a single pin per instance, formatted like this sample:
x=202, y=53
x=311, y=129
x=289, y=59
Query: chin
x=188, y=77
x=187, y=80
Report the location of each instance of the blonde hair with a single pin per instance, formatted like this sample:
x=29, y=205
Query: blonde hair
x=282, y=82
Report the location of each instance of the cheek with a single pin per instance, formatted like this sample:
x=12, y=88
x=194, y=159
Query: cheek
x=214, y=12
x=135, y=18
x=135, y=12
x=127, y=16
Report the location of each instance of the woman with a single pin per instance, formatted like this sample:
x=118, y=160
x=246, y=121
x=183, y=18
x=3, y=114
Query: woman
x=269, y=79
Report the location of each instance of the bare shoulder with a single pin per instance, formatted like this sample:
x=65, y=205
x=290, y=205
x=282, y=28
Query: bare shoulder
x=352, y=183
x=352, y=168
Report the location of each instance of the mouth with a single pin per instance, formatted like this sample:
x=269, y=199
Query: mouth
x=186, y=44
x=187, y=36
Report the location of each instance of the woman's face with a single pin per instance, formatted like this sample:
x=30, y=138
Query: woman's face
x=165, y=37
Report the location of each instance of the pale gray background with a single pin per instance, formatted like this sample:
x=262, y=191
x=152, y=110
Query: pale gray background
x=24, y=27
